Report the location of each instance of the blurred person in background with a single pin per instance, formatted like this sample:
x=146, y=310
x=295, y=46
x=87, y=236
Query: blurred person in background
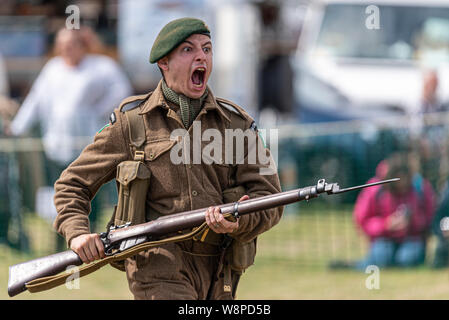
x=10, y=196
x=4, y=84
x=396, y=217
x=7, y=110
x=427, y=133
x=71, y=98
x=440, y=228
x=430, y=140
x=430, y=102
x=276, y=73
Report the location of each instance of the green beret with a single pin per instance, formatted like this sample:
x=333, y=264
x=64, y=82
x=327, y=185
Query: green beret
x=173, y=34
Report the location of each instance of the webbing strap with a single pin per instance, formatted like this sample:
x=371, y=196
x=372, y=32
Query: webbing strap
x=136, y=128
x=134, y=100
x=46, y=283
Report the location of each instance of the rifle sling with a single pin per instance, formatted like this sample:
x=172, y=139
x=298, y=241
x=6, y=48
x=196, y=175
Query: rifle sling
x=46, y=283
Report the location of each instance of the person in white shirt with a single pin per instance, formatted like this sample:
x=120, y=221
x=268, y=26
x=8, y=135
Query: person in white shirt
x=71, y=99
x=4, y=85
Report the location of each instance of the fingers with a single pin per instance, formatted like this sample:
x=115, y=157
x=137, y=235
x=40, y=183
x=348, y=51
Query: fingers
x=229, y=226
x=210, y=219
x=89, y=247
x=215, y=219
x=95, y=247
x=91, y=251
x=80, y=253
x=100, y=246
x=77, y=247
x=218, y=223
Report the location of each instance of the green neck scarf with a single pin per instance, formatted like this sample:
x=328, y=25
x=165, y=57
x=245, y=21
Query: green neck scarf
x=189, y=108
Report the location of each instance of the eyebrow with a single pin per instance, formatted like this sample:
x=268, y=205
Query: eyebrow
x=206, y=43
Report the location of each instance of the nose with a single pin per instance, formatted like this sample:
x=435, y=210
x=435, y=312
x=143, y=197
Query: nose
x=201, y=56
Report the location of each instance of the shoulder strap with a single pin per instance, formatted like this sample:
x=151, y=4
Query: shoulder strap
x=229, y=105
x=136, y=126
x=238, y=116
x=133, y=101
x=237, y=122
x=137, y=135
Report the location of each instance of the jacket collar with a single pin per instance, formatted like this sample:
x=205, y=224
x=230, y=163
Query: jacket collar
x=157, y=99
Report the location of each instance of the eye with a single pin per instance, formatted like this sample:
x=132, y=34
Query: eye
x=207, y=49
x=187, y=49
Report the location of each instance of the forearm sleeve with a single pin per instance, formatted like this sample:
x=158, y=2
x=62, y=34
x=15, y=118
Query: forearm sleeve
x=79, y=183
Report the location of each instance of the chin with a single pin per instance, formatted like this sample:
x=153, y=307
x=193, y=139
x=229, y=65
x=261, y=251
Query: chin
x=195, y=93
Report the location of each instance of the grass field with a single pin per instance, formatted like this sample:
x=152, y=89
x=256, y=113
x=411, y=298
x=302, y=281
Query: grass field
x=291, y=264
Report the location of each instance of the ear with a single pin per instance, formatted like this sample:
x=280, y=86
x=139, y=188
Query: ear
x=163, y=63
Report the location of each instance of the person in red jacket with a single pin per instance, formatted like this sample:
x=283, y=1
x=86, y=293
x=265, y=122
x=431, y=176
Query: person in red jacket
x=396, y=217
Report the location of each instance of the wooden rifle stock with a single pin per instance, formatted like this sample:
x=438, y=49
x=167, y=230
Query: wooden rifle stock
x=22, y=273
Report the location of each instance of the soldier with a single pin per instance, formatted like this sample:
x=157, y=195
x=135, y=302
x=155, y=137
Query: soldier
x=192, y=269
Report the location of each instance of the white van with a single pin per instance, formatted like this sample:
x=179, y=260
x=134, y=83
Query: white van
x=359, y=59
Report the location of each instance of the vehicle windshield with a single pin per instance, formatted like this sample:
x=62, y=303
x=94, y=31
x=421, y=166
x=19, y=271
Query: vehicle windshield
x=405, y=33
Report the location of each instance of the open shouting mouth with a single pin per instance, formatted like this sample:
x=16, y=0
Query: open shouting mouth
x=198, y=77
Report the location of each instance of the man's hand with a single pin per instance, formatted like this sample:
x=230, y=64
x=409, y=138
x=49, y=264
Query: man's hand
x=218, y=223
x=88, y=246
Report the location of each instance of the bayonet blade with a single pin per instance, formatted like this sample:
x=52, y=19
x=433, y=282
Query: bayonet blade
x=365, y=185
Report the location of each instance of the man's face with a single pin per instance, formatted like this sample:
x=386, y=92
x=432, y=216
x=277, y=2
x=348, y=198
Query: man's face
x=187, y=68
x=70, y=48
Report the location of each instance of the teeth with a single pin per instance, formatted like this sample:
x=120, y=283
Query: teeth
x=200, y=77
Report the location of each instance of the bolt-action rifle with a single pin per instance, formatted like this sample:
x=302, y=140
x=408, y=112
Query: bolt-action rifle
x=123, y=241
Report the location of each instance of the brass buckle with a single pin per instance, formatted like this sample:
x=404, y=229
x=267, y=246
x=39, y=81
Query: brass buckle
x=139, y=155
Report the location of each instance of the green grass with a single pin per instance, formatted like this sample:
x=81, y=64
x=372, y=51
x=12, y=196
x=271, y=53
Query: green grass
x=282, y=281
x=291, y=263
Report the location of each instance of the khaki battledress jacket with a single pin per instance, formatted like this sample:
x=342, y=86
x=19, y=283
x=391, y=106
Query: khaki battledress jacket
x=181, y=270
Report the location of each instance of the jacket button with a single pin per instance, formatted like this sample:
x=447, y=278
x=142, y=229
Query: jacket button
x=194, y=193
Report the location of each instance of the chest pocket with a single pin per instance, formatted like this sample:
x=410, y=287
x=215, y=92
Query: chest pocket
x=164, y=172
x=154, y=149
